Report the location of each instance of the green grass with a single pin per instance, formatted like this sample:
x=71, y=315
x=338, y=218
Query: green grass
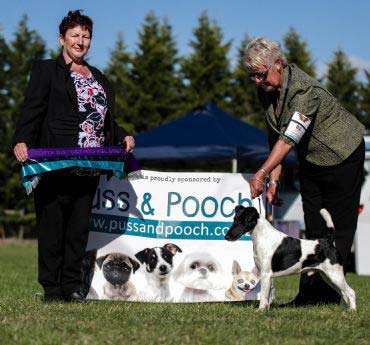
x=24, y=320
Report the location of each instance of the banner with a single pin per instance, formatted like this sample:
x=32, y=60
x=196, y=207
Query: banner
x=160, y=238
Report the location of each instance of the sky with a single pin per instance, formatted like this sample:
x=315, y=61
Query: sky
x=324, y=25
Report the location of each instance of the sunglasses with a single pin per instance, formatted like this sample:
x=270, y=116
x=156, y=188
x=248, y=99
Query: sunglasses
x=260, y=76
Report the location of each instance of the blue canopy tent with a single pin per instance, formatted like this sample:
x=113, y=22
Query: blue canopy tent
x=205, y=133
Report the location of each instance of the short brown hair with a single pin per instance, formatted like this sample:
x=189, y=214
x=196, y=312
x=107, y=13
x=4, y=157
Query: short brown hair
x=73, y=19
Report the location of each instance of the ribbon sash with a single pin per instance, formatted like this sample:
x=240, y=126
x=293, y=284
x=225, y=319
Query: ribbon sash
x=113, y=159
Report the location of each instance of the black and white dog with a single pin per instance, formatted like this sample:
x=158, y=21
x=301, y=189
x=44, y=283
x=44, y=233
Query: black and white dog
x=276, y=254
x=159, y=265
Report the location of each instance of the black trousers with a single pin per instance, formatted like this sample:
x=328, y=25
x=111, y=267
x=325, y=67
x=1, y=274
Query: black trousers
x=63, y=207
x=336, y=188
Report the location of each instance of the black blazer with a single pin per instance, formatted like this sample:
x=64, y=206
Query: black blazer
x=49, y=114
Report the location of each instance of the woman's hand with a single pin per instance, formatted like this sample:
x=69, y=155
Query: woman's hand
x=21, y=152
x=272, y=195
x=257, y=186
x=129, y=143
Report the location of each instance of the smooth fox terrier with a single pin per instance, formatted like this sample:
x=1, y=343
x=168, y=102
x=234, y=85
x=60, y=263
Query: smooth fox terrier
x=276, y=254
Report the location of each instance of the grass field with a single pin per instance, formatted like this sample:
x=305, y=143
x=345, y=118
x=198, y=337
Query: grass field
x=24, y=320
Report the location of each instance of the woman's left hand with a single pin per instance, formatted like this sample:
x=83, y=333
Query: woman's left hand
x=129, y=143
x=257, y=186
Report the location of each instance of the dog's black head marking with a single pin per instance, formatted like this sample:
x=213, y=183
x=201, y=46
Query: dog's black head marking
x=245, y=220
x=149, y=257
x=142, y=256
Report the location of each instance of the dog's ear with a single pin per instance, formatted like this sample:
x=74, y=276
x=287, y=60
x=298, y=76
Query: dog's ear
x=173, y=248
x=100, y=260
x=135, y=264
x=256, y=272
x=251, y=218
x=239, y=208
x=143, y=255
x=236, y=269
x=253, y=211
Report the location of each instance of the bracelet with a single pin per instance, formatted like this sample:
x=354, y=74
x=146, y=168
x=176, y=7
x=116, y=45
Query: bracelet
x=276, y=182
x=267, y=175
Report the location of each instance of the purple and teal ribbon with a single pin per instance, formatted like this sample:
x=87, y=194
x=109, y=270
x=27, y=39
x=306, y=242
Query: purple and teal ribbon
x=106, y=159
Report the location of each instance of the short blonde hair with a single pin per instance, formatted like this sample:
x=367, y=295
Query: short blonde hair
x=262, y=51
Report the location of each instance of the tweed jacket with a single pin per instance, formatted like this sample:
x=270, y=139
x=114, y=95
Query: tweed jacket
x=333, y=132
x=49, y=114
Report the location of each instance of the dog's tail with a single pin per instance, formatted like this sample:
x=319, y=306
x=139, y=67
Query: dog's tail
x=329, y=224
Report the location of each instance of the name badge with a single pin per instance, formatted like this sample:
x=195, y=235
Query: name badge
x=297, y=127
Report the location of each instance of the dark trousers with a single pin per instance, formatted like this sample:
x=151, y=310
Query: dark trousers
x=63, y=207
x=337, y=189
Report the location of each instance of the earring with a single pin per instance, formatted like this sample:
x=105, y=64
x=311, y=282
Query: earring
x=278, y=69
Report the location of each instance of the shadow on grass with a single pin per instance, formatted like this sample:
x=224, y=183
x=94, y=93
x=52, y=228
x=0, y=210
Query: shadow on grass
x=243, y=304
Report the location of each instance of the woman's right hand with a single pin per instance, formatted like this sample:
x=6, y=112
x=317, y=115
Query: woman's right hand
x=21, y=152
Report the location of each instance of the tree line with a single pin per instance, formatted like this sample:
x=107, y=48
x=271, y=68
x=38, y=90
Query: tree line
x=154, y=84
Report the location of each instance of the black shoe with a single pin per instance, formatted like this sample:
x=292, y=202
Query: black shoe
x=53, y=299
x=75, y=297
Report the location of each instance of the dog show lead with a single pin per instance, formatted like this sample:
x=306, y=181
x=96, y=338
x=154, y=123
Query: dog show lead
x=300, y=113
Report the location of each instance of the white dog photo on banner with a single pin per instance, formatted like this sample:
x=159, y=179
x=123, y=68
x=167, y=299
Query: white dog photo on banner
x=200, y=273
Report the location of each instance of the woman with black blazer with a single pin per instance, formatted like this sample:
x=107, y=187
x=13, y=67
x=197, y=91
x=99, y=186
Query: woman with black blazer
x=68, y=103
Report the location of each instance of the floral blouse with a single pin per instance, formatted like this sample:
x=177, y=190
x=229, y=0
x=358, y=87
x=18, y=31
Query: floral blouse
x=92, y=106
